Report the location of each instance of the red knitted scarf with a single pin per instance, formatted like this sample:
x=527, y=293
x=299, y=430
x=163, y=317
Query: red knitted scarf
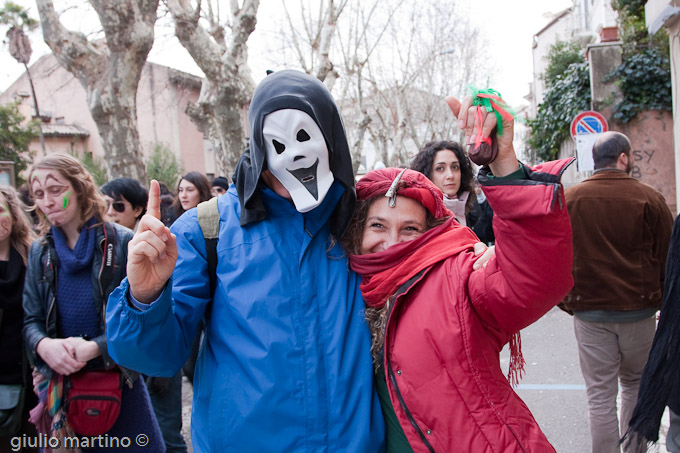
x=384, y=272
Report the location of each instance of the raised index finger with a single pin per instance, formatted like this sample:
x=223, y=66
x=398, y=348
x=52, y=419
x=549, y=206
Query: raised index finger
x=153, y=207
x=454, y=105
x=460, y=108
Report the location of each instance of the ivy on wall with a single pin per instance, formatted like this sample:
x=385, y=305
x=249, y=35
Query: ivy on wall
x=568, y=94
x=644, y=75
x=645, y=81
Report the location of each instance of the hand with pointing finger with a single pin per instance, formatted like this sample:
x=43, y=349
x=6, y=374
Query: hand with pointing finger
x=506, y=161
x=152, y=252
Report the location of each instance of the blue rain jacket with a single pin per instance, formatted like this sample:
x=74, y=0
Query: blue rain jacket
x=285, y=365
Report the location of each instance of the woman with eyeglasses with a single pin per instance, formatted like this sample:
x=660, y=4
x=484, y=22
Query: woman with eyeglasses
x=126, y=199
x=73, y=266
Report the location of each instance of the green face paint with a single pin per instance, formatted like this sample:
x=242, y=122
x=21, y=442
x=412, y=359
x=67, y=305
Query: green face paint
x=66, y=198
x=6, y=212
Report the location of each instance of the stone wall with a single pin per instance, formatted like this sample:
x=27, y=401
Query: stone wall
x=650, y=132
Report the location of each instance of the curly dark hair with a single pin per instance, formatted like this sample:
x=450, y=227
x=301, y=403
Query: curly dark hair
x=424, y=160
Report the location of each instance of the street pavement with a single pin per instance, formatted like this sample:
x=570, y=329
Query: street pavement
x=552, y=386
x=187, y=395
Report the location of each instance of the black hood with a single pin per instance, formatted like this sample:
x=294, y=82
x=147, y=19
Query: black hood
x=290, y=89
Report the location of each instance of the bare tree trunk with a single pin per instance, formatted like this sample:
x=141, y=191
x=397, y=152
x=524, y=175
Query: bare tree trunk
x=37, y=110
x=357, y=146
x=228, y=85
x=109, y=73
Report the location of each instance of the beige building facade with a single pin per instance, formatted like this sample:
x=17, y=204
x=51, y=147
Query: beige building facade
x=162, y=97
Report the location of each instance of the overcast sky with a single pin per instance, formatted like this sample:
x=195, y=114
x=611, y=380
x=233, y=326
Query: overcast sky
x=507, y=26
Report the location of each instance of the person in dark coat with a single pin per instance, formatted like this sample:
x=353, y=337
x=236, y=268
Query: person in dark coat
x=660, y=381
x=16, y=237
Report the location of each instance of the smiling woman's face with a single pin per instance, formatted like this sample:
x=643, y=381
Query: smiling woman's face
x=446, y=172
x=386, y=226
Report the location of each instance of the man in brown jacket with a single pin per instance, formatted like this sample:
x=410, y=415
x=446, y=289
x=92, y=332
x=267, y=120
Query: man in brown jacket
x=621, y=230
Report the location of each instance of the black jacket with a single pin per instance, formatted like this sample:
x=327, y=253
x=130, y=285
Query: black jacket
x=660, y=381
x=11, y=318
x=480, y=220
x=40, y=301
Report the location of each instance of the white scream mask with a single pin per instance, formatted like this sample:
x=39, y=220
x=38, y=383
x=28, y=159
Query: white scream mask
x=297, y=156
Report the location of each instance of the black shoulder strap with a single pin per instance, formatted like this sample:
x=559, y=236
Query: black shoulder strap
x=209, y=220
x=50, y=263
x=106, y=274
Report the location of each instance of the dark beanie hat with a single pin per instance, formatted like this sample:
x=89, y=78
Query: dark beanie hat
x=221, y=181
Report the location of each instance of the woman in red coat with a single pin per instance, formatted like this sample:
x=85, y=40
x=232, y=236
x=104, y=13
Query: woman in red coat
x=438, y=326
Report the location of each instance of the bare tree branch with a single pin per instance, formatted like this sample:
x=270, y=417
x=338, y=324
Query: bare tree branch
x=109, y=71
x=228, y=86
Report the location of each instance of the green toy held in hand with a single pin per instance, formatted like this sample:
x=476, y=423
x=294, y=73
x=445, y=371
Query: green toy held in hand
x=484, y=150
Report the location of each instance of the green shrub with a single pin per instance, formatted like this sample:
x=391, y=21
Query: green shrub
x=163, y=166
x=645, y=81
x=95, y=166
x=568, y=95
x=15, y=138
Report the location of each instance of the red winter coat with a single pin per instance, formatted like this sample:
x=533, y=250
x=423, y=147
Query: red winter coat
x=445, y=333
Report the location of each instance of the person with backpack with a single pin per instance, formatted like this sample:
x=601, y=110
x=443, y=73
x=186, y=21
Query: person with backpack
x=73, y=266
x=285, y=364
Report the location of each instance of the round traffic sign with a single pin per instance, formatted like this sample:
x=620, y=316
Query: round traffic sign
x=588, y=122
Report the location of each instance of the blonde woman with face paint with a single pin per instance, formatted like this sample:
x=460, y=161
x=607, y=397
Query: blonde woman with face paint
x=15, y=239
x=72, y=267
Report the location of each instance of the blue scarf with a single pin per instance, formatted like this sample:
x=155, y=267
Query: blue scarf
x=78, y=316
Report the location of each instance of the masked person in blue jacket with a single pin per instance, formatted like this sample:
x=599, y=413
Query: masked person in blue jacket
x=285, y=364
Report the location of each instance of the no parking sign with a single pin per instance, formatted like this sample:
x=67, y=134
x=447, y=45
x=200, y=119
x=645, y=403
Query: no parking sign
x=585, y=129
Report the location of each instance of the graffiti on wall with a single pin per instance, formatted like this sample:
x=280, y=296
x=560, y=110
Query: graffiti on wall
x=641, y=157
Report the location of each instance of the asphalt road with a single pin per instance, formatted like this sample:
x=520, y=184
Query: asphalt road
x=552, y=386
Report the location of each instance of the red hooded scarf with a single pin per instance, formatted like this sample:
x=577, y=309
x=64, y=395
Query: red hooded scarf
x=384, y=272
